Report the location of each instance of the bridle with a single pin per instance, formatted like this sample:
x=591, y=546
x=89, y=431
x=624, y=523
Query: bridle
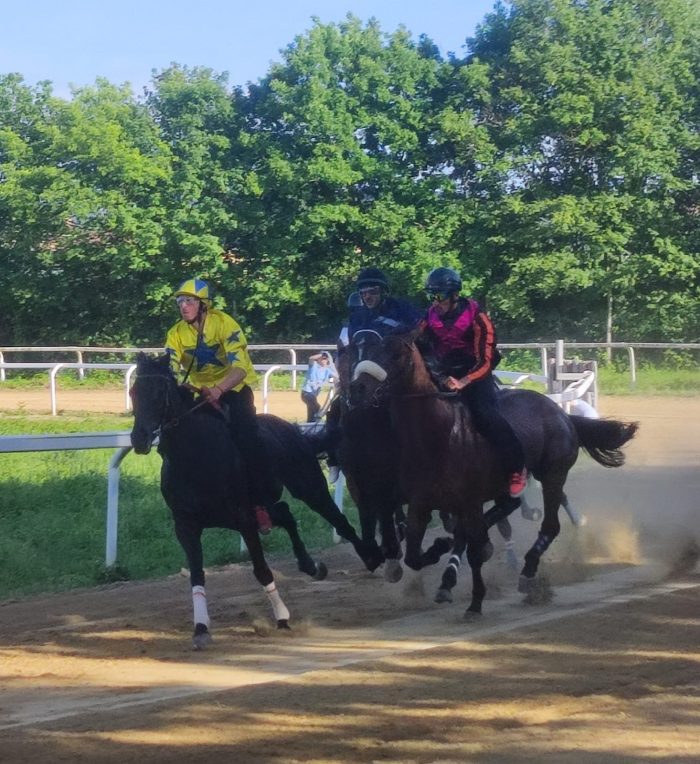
x=174, y=421
x=383, y=392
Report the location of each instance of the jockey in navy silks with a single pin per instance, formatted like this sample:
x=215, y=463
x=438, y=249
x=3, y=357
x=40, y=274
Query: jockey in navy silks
x=371, y=308
x=459, y=343
x=379, y=310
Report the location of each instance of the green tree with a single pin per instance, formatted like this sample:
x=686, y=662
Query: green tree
x=80, y=222
x=592, y=106
x=341, y=172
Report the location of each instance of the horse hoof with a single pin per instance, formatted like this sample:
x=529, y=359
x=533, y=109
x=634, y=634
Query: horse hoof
x=201, y=637
x=321, y=572
x=443, y=595
x=487, y=552
x=393, y=572
x=526, y=585
x=472, y=613
x=374, y=558
x=283, y=623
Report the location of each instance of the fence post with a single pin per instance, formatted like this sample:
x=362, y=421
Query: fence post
x=113, y=505
x=81, y=371
x=633, y=367
x=52, y=387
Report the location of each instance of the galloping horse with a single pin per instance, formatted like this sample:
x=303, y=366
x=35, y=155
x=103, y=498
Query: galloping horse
x=203, y=480
x=446, y=465
x=369, y=457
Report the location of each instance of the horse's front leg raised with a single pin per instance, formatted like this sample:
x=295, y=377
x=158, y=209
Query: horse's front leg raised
x=190, y=537
x=552, y=491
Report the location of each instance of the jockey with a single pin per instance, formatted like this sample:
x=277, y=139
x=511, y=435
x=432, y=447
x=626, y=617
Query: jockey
x=459, y=340
x=209, y=346
x=379, y=311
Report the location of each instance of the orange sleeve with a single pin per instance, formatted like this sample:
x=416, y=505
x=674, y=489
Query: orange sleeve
x=484, y=347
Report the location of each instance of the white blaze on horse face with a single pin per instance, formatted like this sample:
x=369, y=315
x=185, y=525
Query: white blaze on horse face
x=371, y=368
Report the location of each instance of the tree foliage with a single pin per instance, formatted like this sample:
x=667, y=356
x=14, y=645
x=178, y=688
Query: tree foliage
x=555, y=164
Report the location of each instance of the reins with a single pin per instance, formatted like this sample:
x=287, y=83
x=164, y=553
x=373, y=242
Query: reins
x=174, y=421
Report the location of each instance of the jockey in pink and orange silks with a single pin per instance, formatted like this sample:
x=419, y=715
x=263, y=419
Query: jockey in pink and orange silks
x=459, y=340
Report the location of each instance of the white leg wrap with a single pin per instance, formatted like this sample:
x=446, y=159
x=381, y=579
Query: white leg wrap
x=278, y=607
x=199, y=605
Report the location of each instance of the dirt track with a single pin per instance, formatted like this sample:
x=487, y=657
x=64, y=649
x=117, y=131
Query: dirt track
x=608, y=672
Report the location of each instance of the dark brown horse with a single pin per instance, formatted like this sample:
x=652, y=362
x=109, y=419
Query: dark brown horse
x=446, y=465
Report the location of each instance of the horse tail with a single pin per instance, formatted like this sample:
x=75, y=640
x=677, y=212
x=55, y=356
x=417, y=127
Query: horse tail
x=603, y=438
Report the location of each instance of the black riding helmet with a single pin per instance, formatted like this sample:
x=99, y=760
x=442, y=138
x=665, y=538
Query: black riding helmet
x=444, y=281
x=369, y=277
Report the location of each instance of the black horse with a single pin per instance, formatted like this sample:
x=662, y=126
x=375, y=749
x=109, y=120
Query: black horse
x=203, y=480
x=369, y=457
x=446, y=465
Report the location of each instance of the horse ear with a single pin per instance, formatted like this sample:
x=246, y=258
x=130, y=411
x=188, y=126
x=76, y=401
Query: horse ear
x=141, y=357
x=164, y=360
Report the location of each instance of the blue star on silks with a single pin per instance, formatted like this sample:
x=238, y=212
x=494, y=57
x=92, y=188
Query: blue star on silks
x=206, y=355
x=235, y=337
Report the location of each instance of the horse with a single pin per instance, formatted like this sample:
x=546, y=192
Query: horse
x=203, y=481
x=368, y=456
x=446, y=465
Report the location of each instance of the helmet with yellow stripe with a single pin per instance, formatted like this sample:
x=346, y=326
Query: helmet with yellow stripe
x=195, y=288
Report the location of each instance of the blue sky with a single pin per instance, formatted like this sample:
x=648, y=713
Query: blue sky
x=75, y=41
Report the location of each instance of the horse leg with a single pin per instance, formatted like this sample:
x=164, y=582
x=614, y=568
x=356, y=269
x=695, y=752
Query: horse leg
x=552, y=492
x=262, y=572
x=577, y=520
x=391, y=547
x=282, y=517
x=503, y=507
x=449, y=577
x=400, y=518
x=477, y=553
x=190, y=538
x=506, y=531
x=316, y=496
x=417, y=522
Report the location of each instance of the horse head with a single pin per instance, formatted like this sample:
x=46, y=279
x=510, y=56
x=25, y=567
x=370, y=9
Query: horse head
x=154, y=398
x=392, y=367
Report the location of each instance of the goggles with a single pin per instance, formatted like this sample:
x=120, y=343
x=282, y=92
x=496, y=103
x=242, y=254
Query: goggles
x=186, y=299
x=438, y=296
x=373, y=291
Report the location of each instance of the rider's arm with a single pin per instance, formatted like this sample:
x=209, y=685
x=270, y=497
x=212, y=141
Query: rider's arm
x=484, y=348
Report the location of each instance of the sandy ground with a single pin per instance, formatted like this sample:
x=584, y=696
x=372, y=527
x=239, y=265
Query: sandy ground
x=609, y=671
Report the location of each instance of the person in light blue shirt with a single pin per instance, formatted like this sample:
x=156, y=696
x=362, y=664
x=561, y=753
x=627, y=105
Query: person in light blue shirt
x=321, y=372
